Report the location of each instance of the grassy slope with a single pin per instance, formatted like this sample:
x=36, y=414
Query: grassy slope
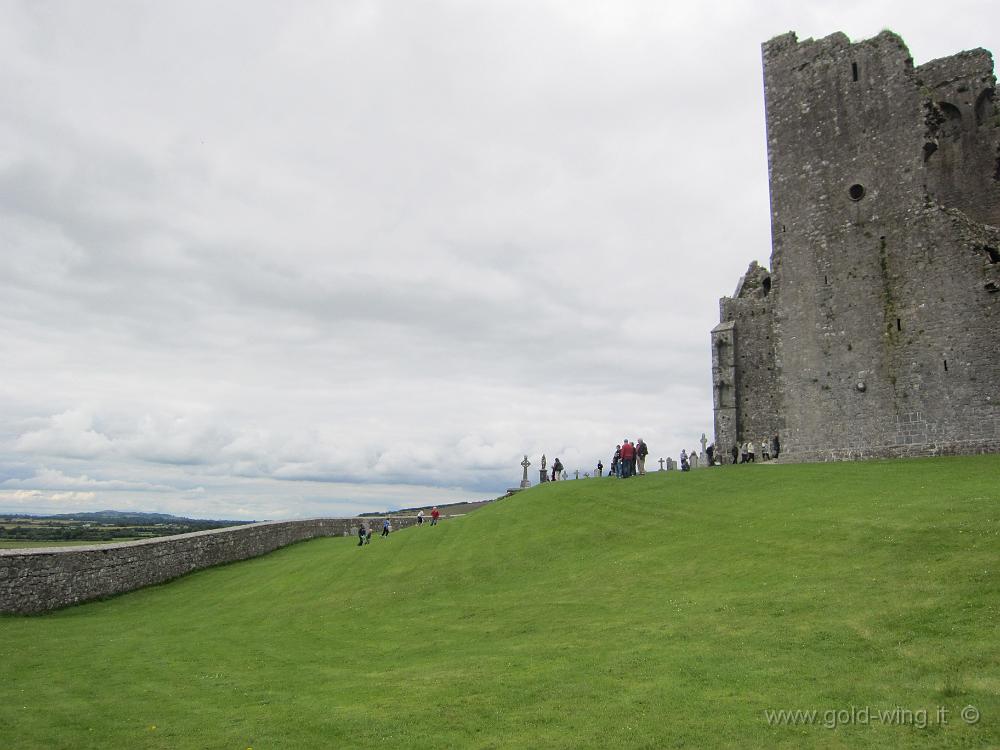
x=665, y=611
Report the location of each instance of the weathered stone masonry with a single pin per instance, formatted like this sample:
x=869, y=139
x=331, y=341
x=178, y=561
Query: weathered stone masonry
x=877, y=330
x=39, y=580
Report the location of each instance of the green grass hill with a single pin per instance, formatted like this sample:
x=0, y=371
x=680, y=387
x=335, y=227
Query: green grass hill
x=672, y=610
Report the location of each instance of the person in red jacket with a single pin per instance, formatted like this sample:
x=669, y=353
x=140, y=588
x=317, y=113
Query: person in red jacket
x=628, y=458
x=435, y=515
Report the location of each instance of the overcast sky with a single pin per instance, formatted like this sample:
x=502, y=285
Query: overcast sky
x=288, y=259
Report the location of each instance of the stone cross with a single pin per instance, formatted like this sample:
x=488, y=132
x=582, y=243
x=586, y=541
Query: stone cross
x=704, y=442
x=525, y=482
x=661, y=464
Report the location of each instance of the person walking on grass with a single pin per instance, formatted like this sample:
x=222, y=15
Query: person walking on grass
x=361, y=534
x=420, y=518
x=386, y=527
x=435, y=515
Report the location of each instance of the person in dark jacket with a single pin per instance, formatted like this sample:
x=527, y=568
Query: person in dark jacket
x=641, y=451
x=557, y=468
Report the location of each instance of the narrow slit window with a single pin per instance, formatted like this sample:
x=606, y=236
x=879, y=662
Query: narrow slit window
x=946, y=365
x=854, y=71
x=899, y=325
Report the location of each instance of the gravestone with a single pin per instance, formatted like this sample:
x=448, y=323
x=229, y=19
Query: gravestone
x=694, y=460
x=671, y=464
x=661, y=464
x=577, y=474
x=525, y=482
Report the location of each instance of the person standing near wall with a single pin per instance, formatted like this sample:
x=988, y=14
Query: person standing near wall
x=386, y=527
x=420, y=518
x=361, y=534
x=435, y=515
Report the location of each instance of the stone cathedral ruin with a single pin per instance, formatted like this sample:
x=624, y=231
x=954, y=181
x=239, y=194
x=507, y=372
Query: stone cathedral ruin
x=876, y=332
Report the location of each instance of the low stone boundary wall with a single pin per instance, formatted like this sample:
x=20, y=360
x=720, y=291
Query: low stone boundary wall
x=41, y=579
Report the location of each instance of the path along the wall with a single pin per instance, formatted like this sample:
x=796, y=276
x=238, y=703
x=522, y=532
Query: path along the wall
x=42, y=579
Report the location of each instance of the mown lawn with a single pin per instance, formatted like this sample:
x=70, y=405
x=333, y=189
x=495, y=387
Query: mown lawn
x=664, y=611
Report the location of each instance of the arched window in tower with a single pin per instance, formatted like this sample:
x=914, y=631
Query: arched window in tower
x=984, y=107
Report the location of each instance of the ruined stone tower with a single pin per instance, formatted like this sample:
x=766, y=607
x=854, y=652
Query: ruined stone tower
x=877, y=330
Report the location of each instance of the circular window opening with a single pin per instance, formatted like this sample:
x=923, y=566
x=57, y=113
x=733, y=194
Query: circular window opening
x=857, y=192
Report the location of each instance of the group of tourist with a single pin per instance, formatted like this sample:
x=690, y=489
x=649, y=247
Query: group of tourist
x=365, y=532
x=747, y=453
x=629, y=460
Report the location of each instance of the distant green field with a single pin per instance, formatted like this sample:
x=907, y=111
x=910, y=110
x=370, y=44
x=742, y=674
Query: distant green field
x=672, y=610
x=7, y=544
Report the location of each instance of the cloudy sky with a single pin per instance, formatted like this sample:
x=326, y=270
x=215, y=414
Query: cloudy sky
x=287, y=259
